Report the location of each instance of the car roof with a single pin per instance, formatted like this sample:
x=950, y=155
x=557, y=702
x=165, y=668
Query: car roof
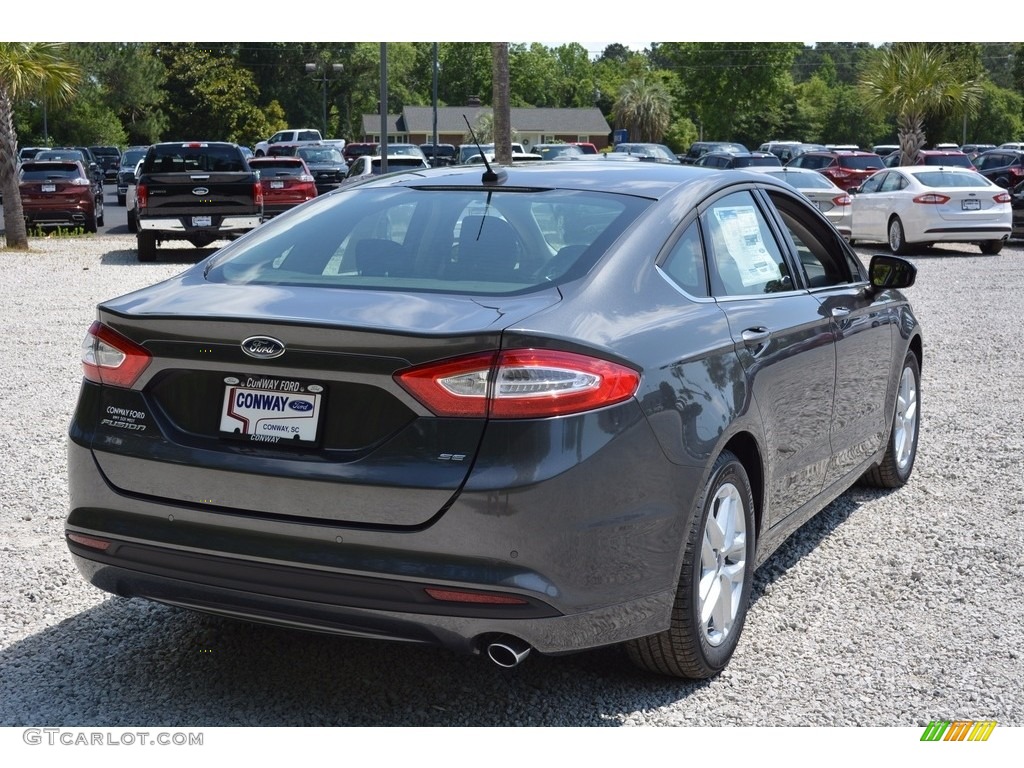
x=649, y=180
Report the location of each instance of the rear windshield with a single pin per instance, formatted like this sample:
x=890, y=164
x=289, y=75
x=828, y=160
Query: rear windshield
x=49, y=171
x=178, y=158
x=451, y=240
x=320, y=155
x=803, y=180
x=961, y=161
x=277, y=167
x=951, y=178
x=861, y=162
x=62, y=154
x=743, y=162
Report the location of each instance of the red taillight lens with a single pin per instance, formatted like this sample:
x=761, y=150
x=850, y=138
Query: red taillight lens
x=932, y=198
x=90, y=541
x=842, y=200
x=257, y=193
x=111, y=359
x=141, y=196
x=461, y=596
x=519, y=384
x=1003, y=197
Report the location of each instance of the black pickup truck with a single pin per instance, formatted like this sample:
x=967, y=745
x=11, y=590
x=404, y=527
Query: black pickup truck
x=200, y=191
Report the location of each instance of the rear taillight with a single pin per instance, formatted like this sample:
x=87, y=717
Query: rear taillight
x=841, y=200
x=839, y=172
x=1003, y=197
x=932, y=198
x=519, y=384
x=111, y=359
x=257, y=193
x=81, y=183
x=141, y=196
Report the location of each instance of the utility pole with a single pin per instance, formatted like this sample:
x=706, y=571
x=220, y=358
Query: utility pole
x=500, y=100
x=324, y=69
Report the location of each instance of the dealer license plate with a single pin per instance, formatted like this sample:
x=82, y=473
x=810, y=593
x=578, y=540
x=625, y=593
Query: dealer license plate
x=271, y=410
x=970, y=205
x=49, y=187
x=202, y=221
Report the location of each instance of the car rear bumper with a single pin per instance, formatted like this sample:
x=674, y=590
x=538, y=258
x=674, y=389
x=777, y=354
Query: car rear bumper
x=183, y=225
x=595, y=559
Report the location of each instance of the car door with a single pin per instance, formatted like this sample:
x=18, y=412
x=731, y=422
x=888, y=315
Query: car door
x=862, y=325
x=783, y=340
x=867, y=209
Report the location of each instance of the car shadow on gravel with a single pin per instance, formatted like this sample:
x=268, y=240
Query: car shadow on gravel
x=130, y=662
x=169, y=255
x=808, y=536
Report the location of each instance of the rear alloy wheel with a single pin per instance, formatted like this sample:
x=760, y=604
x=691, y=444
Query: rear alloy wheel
x=895, y=467
x=991, y=247
x=897, y=238
x=714, y=584
x=147, y=246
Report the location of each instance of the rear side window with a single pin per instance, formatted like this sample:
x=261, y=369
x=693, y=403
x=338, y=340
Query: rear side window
x=685, y=263
x=742, y=254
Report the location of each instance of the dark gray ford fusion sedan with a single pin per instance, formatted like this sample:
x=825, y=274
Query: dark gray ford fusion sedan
x=549, y=407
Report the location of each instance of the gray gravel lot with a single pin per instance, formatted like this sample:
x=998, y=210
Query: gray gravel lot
x=888, y=609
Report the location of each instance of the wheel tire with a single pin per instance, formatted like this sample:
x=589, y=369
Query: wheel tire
x=99, y=216
x=90, y=224
x=121, y=200
x=991, y=247
x=714, y=584
x=147, y=246
x=897, y=238
x=895, y=467
x=133, y=222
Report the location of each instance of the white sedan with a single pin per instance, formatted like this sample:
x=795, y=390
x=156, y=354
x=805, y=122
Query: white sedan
x=834, y=202
x=922, y=205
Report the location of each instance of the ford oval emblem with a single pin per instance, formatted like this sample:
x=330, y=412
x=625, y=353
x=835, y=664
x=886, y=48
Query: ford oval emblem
x=200, y=191
x=263, y=347
x=300, y=405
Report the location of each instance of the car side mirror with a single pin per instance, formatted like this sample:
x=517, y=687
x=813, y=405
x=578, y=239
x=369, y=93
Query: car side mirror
x=853, y=191
x=888, y=272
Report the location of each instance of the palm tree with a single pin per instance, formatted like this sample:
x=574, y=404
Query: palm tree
x=912, y=81
x=26, y=68
x=644, y=109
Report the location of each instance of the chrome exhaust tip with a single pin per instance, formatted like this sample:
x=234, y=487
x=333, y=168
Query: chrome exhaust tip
x=507, y=651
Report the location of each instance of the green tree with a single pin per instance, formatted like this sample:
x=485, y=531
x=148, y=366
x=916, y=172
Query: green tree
x=643, y=108
x=723, y=84
x=26, y=70
x=124, y=84
x=913, y=81
x=533, y=75
x=465, y=72
x=210, y=95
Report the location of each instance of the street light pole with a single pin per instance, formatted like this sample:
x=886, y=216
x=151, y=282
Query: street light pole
x=324, y=68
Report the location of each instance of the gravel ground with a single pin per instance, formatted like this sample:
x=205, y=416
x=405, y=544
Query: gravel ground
x=887, y=609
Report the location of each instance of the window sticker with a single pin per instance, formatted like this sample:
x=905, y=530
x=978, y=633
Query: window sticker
x=741, y=231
